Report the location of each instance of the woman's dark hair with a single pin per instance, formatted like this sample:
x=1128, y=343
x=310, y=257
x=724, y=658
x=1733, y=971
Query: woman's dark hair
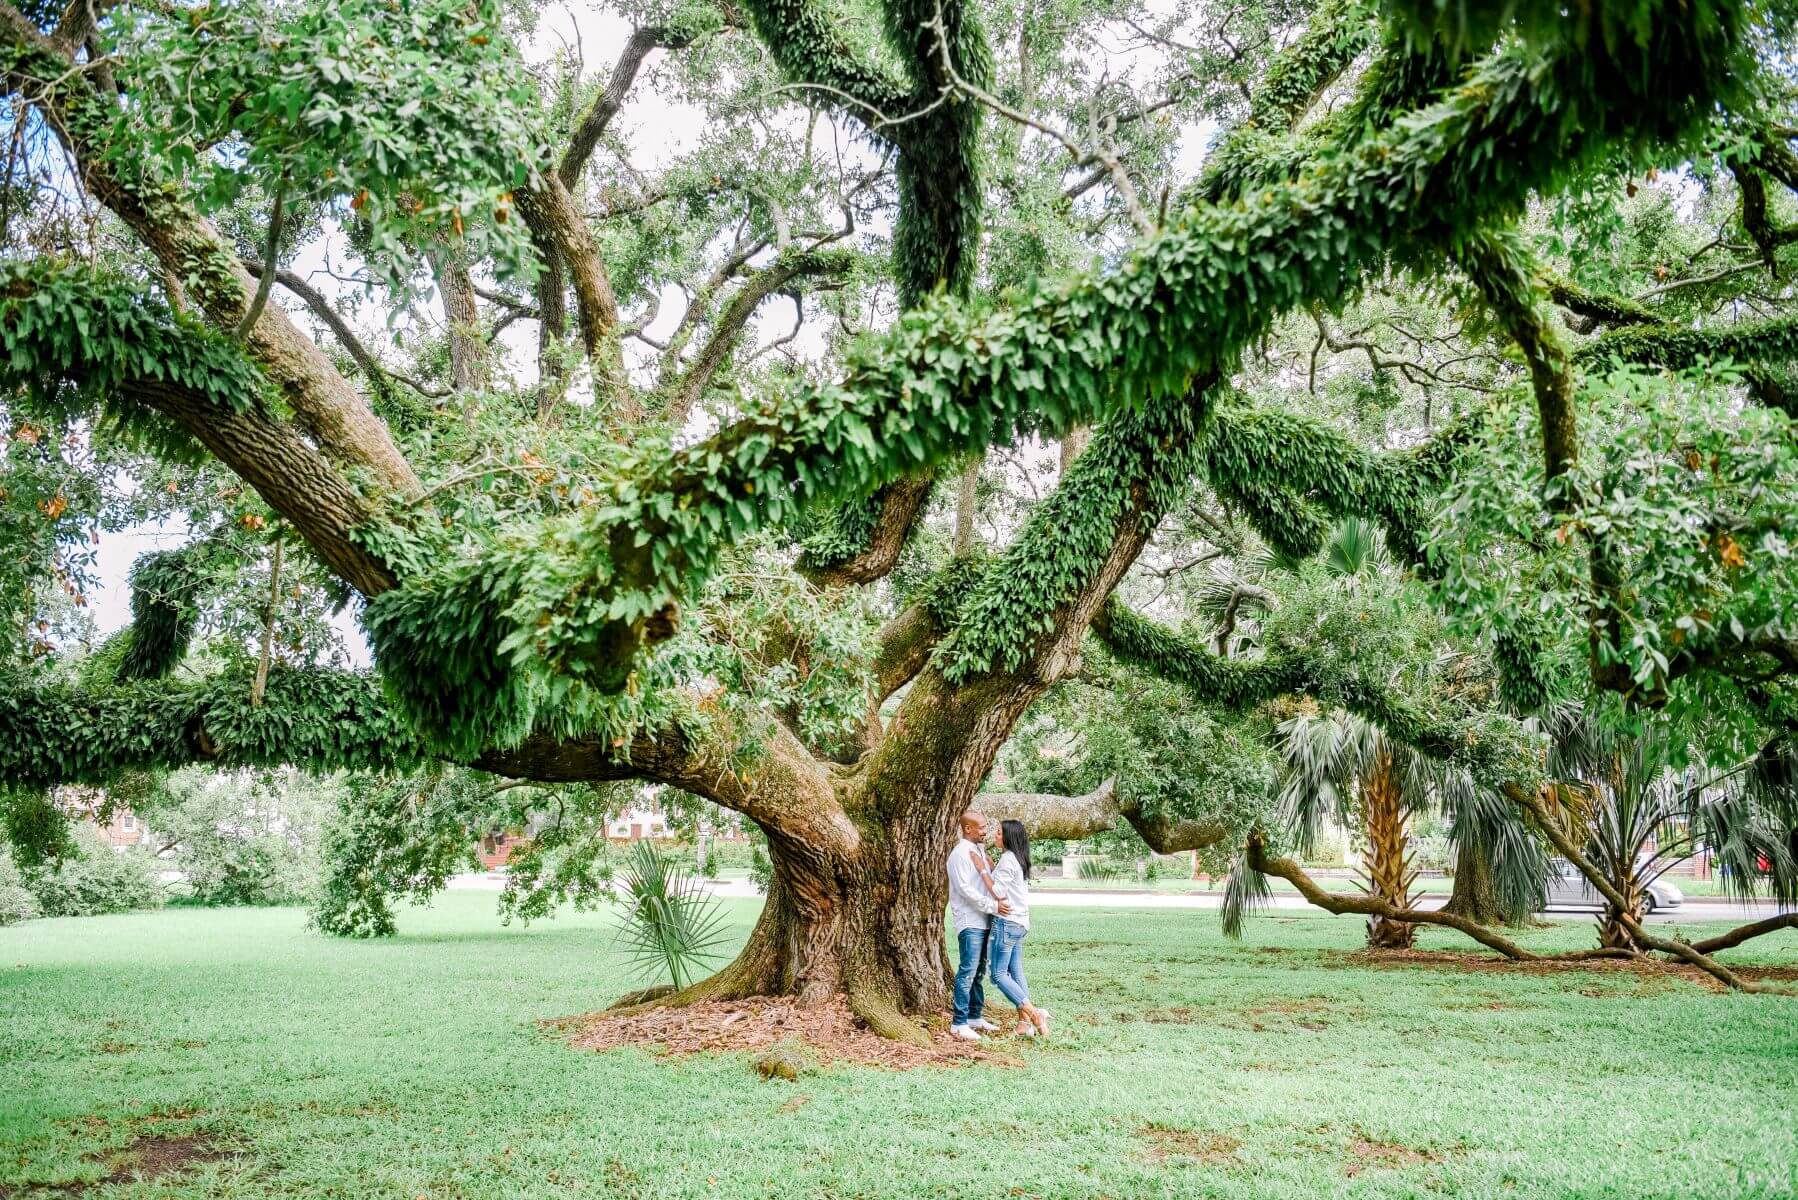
x=1013, y=838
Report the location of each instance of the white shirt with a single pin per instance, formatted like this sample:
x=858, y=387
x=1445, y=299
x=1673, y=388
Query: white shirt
x=1008, y=877
x=970, y=904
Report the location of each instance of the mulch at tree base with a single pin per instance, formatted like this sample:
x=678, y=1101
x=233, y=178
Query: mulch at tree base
x=723, y=1027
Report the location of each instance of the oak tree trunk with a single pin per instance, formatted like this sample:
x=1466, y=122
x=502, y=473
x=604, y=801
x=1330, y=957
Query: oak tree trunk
x=866, y=925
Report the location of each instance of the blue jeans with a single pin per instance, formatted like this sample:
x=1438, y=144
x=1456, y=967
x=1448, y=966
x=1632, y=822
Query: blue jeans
x=970, y=997
x=1007, y=956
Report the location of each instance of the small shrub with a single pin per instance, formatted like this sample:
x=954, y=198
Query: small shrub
x=671, y=926
x=95, y=879
x=16, y=901
x=1102, y=870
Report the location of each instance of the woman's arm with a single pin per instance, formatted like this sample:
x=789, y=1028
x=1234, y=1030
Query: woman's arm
x=986, y=874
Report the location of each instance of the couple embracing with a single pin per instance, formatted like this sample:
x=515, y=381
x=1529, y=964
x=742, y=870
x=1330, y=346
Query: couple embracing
x=991, y=908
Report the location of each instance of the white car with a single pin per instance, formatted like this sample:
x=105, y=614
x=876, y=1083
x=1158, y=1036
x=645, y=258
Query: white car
x=1567, y=888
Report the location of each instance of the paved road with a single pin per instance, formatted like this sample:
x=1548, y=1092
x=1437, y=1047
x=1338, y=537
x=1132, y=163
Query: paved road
x=1694, y=909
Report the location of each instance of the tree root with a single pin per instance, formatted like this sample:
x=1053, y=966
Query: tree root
x=882, y=1014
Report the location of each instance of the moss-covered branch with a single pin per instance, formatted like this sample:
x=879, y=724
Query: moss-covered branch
x=1294, y=478
x=319, y=720
x=1493, y=748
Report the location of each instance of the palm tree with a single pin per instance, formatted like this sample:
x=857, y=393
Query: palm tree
x=1343, y=766
x=1641, y=812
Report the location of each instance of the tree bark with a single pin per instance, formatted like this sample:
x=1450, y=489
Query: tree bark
x=1475, y=896
x=1388, y=868
x=467, y=348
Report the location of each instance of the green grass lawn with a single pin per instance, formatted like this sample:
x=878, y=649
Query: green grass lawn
x=1183, y=1066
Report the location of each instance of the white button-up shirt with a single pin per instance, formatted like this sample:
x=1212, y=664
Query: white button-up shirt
x=1008, y=877
x=970, y=904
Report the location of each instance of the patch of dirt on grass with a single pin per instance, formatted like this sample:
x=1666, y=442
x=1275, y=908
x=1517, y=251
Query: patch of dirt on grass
x=1647, y=969
x=1167, y=1144
x=146, y=1159
x=723, y=1027
x=1317, y=1013
x=1366, y=1151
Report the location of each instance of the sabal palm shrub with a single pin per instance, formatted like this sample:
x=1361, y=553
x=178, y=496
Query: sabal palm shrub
x=1342, y=766
x=1642, y=805
x=672, y=928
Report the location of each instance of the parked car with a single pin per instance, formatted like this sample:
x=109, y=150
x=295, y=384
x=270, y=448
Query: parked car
x=1567, y=888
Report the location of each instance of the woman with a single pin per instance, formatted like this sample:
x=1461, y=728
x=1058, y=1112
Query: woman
x=1011, y=883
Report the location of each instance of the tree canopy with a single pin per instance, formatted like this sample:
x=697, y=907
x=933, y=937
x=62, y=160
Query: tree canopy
x=1503, y=287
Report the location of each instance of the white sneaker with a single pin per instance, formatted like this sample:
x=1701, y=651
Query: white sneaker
x=966, y=1033
x=983, y=1025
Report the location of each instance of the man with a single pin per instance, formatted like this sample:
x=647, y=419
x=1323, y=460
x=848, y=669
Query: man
x=972, y=904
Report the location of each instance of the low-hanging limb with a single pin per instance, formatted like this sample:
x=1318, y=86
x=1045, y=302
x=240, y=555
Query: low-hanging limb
x=1500, y=754
x=1743, y=933
x=1374, y=906
x=1098, y=811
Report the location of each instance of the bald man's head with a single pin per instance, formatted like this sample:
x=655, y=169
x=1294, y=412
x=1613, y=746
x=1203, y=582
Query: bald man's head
x=973, y=827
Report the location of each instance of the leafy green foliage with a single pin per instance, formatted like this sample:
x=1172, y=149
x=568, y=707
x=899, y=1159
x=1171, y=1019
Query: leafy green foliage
x=396, y=835
x=315, y=719
x=16, y=901
x=79, y=339
x=671, y=925
x=1692, y=492
x=165, y=594
x=946, y=379
x=418, y=115
x=95, y=879
x=1172, y=758
x=245, y=838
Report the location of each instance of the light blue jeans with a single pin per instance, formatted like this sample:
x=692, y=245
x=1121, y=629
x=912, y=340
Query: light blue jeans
x=1006, y=952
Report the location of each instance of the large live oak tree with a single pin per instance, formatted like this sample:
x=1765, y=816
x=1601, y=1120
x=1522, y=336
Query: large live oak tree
x=536, y=645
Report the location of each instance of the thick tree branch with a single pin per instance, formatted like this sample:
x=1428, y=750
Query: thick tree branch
x=874, y=550
x=187, y=245
x=1742, y=933
x=1374, y=906
x=562, y=235
x=1099, y=811
x=605, y=106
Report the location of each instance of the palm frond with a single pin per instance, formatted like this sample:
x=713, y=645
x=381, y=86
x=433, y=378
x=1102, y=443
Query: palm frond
x=1356, y=548
x=1246, y=891
x=671, y=925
